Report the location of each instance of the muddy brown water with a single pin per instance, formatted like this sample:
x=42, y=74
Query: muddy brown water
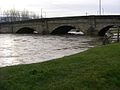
x=25, y=49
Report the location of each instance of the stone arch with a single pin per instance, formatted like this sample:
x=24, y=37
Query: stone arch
x=62, y=29
x=104, y=30
x=25, y=30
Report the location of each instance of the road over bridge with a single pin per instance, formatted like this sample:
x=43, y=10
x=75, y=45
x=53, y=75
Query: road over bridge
x=90, y=25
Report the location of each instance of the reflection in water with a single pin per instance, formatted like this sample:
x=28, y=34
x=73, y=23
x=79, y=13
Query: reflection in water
x=25, y=49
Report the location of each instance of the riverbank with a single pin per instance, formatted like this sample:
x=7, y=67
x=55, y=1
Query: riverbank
x=95, y=69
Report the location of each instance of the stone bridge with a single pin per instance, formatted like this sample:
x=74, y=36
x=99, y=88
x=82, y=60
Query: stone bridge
x=90, y=25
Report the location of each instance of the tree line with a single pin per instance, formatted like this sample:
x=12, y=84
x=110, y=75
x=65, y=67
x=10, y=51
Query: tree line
x=16, y=15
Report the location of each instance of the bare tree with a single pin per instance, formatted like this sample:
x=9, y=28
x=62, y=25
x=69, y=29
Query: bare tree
x=25, y=15
x=6, y=16
x=34, y=16
x=15, y=15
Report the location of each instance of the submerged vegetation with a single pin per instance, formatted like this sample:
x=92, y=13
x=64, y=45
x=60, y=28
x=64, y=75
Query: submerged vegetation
x=95, y=69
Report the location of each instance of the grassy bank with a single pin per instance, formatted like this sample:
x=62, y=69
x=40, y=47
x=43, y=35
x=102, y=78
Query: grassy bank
x=95, y=69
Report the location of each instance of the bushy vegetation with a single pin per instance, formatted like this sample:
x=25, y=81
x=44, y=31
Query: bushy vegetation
x=95, y=69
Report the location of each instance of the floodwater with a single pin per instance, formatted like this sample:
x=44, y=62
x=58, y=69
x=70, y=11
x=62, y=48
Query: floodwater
x=24, y=49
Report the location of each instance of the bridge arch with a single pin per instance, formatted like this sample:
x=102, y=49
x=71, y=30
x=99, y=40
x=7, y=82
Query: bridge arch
x=25, y=30
x=62, y=29
x=105, y=29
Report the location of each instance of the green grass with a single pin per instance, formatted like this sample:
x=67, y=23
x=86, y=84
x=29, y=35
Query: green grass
x=95, y=69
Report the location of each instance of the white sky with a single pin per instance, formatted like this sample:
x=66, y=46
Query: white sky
x=54, y=8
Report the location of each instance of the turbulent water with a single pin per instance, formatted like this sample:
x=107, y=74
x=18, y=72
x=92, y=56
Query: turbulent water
x=25, y=49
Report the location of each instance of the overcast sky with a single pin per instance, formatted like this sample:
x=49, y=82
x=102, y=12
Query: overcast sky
x=58, y=8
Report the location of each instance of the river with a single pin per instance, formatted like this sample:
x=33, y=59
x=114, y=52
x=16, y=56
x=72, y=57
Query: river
x=31, y=48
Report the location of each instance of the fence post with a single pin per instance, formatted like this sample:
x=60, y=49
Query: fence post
x=118, y=34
